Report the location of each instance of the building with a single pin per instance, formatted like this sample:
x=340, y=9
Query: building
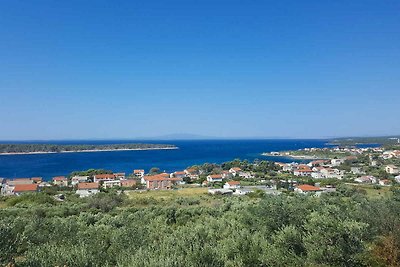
x=37, y=180
x=79, y=179
x=308, y=189
x=128, y=183
x=160, y=181
x=336, y=162
x=119, y=175
x=60, y=181
x=111, y=183
x=385, y=182
x=232, y=185
x=178, y=174
x=214, y=178
x=246, y=175
x=235, y=170
x=367, y=179
x=192, y=173
x=392, y=169
x=87, y=189
x=103, y=177
x=25, y=188
x=138, y=173
x=220, y=191
x=302, y=170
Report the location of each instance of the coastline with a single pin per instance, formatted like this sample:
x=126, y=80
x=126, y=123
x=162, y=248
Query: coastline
x=88, y=151
x=291, y=156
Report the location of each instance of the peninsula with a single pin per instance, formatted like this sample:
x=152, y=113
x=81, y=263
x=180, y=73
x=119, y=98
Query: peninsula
x=16, y=149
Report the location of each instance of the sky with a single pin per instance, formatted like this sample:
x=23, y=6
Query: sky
x=227, y=69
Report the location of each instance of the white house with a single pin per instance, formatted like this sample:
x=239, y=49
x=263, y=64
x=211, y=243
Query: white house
x=235, y=170
x=79, y=179
x=368, y=179
x=138, y=173
x=214, y=178
x=336, y=162
x=232, y=185
x=392, y=169
x=111, y=183
x=87, y=189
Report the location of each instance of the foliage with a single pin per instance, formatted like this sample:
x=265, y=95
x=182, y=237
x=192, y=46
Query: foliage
x=179, y=228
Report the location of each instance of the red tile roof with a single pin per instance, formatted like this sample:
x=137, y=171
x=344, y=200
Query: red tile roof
x=310, y=188
x=138, y=171
x=88, y=185
x=215, y=176
x=104, y=176
x=59, y=178
x=25, y=187
x=233, y=183
x=236, y=169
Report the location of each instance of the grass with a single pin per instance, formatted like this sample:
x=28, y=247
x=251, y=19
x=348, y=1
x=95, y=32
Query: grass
x=169, y=194
x=372, y=192
x=182, y=196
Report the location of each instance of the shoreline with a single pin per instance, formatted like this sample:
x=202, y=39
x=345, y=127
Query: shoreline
x=291, y=156
x=88, y=151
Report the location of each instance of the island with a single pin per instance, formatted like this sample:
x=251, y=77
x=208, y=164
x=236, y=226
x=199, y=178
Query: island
x=15, y=149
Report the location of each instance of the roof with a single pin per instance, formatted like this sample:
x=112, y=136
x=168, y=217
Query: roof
x=138, y=171
x=236, y=169
x=309, y=188
x=215, y=176
x=37, y=179
x=233, y=182
x=88, y=185
x=119, y=174
x=160, y=177
x=180, y=173
x=59, y=178
x=25, y=187
x=104, y=176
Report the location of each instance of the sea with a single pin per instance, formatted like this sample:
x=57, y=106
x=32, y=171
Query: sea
x=189, y=153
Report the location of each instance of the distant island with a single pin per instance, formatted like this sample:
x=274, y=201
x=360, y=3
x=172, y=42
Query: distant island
x=13, y=149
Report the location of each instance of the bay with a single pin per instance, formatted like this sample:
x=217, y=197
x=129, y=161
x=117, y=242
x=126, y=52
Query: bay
x=190, y=152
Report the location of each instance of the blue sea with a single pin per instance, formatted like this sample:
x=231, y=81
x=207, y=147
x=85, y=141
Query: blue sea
x=190, y=152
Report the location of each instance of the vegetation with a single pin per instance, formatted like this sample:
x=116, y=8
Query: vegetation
x=37, y=148
x=189, y=228
x=352, y=141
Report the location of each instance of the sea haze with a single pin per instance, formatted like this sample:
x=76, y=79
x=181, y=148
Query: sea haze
x=190, y=152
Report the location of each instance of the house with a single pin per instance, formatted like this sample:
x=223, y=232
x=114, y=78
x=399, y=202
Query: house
x=316, y=163
x=235, y=170
x=37, y=180
x=138, y=173
x=119, y=175
x=356, y=170
x=302, y=170
x=220, y=191
x=104, y=177
x=25, y=188
x=111, y=183
x=128, y=183
x=60, y=181
x=214, y=178
x=307, y=189
x=385, y=182
x=242, y=191
x=192, y=173
x=79, y=179
x=178, y=174
x=246, y=175
x=160, y=181
x=367, y=179
x=336, y=162
x=226, y=175
x=392, y=169
x=232, y=185
x=87, y=189
x=16, y=181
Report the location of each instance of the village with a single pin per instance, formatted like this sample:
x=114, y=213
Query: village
x=354, y=166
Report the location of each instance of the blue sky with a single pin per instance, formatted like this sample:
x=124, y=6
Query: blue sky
x=126, y=69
